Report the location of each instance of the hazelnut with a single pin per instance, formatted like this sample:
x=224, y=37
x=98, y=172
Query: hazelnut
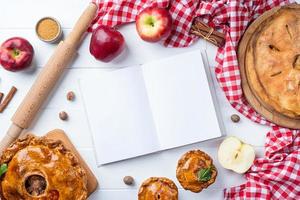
x=235, y=118
x=71, y=96
x=63, y=115
x=128, y=180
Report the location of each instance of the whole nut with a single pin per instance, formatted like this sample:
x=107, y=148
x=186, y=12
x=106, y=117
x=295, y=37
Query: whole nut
x=63, y=115
x=128, y=180
x=71, y=96
x=235, y=118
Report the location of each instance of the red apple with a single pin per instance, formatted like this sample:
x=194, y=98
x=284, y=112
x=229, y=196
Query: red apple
x=154, y=24
x=16, y=54
x=106, y=43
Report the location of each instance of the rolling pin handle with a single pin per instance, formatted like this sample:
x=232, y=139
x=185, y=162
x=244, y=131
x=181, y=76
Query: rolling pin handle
x=12, y=134
x=82, y=24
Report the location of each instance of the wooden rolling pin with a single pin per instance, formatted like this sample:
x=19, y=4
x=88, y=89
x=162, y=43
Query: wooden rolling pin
x=48, y=77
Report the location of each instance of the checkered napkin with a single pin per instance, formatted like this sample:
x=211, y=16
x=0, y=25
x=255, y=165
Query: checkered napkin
x=118, y=12
x=277, y=176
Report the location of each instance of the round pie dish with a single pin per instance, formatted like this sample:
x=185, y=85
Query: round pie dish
x=269, y=58
x=192, y=169
x=40, y=168
x=158, y=188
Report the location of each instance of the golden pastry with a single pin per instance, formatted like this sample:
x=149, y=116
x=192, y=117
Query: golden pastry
x=157, y=188
x=42, y=169
x=196, y=171
x=273, y=62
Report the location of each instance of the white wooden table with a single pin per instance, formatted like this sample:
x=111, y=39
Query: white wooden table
x=18, y=18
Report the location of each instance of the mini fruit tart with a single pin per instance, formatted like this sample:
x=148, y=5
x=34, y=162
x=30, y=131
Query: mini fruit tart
x=158, y=188
x=195, y=171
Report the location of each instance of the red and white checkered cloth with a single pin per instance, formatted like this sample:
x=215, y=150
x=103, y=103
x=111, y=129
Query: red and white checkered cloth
x=277, y=176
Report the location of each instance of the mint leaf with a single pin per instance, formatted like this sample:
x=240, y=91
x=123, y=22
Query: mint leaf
x=204, y=174
x=3, y=169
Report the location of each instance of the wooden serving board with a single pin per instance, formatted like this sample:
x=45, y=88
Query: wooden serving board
x=263, y=109
x=58, y=134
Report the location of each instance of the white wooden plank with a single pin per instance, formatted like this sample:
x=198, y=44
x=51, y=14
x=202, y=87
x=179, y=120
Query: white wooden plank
x=247, y=130
x=132, y=194
x=250, y=132
x=48, y=120
x=136, y=52
x=211, y=51
x=159, y=164
x=110, y=176
x=25, y=14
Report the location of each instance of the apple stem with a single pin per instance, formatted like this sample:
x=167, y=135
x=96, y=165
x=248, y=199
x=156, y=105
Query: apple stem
x=16, y=52
x=150, y=21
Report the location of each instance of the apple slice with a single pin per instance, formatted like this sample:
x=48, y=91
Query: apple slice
x=235, y=155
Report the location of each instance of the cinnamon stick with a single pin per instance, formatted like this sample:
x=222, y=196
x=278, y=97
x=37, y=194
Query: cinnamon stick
x=204, y=31
x=8, y=98
x=1, y=96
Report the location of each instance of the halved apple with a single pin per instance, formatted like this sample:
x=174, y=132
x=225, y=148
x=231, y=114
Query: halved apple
x=235, y=155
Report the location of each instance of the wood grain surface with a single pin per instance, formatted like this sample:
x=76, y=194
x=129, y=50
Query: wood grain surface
x=58, y=134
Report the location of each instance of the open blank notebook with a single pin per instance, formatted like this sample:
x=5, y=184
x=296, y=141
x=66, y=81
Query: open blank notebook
x=143, y=109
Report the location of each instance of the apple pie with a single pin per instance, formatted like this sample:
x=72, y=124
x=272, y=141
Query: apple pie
x=39, y=168
x=196, y=171
x=273, y=62
x=158, y=188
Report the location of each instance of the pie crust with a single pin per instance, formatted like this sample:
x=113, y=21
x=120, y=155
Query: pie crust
x=188, y=167
x=53, y=171
x=272, y=62
x=158, y=188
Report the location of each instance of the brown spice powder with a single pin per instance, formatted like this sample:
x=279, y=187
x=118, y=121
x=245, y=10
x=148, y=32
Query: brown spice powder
x=47, y=29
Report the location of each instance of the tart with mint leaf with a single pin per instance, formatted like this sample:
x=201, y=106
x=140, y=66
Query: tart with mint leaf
x=196, y=171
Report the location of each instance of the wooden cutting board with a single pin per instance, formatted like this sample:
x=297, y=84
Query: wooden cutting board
x=260, y=107
x=58, y=134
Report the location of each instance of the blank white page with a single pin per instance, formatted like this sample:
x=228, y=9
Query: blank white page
x=119, y=115
x=180, y=100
